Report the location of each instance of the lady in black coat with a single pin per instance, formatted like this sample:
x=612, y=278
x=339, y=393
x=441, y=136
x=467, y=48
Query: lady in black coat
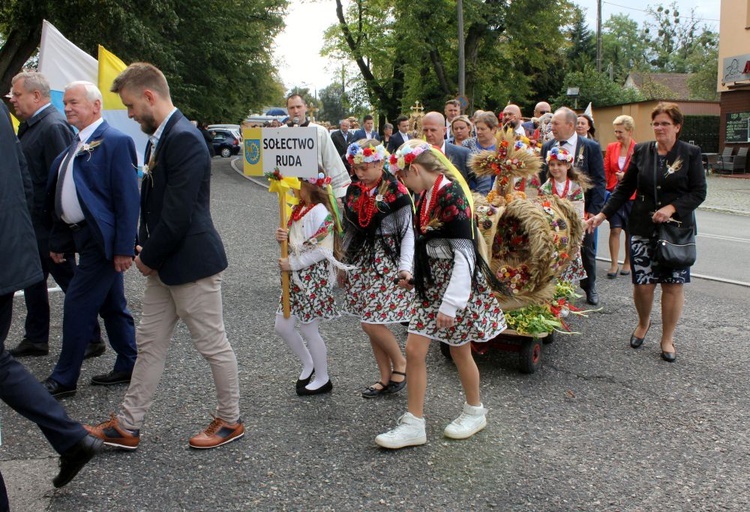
x=672, y=170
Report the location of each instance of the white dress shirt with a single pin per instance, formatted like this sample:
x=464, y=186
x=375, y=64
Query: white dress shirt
x=72, y=213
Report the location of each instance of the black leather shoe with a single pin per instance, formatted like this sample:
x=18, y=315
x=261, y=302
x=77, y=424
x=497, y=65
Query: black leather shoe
x=395, y=387
x=301, y=383
x=635, y=341
x=56, y=389
x=111, y=378
x=669, y=357
x=592, y=297
x=94, y=350
x=372, y=391
x=325, y=388
x=72, y=461
x=29, y=348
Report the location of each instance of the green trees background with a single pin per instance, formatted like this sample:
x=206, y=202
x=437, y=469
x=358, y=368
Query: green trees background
x=215, y=54
x=218, y=59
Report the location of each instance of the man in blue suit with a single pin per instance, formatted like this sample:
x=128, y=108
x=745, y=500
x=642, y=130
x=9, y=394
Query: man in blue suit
x=18, y=388
x=588, y=159
x=182, y=257
x=92, y=195
x=44, y=134
x=367, y=131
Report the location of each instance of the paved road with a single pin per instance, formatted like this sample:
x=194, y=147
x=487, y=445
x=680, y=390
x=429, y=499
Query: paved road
x=600, y=427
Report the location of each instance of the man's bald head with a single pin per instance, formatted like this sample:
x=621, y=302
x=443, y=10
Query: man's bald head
x=433, y=128
x=512, y=115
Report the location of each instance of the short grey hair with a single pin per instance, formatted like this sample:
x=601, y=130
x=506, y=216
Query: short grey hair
x=570, y=116
x=33, y=81
x=92, y=91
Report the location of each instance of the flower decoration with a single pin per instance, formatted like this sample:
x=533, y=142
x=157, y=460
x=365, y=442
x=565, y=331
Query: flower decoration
x=559, y=154
x=355, y=154
x=671, y=169
x=88, y=147
x=405, y=155
x=321, y=180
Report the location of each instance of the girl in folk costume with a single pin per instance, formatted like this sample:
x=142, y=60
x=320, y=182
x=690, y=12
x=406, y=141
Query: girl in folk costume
x=312, y=247
x=565, y=182
x=379, y=242
x=453, y=304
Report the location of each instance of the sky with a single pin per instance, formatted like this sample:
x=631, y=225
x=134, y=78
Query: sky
x=297, y=48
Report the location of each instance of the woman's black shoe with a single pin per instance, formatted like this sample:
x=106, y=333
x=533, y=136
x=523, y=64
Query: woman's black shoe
x=669, y=357
x=635, y=341
x=325, y=388
x=372, y=391
x=393, y=386
x=301, y=383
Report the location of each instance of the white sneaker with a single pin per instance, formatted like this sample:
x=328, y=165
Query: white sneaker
x=409, y=432
x=471, y=421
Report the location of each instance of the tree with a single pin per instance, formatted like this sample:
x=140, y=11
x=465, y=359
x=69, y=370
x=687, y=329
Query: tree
x=582, y=51
x=406, y=50
x=596, y=88
x=624, y=47
x=215, y=55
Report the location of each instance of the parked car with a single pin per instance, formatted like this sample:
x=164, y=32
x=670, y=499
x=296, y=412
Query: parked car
x=234, y=128
x=226, y=142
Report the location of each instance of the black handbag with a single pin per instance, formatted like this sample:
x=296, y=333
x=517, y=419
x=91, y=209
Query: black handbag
x=675, y=245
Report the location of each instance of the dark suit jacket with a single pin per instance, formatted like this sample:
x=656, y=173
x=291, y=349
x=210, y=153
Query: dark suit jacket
x=684, y=189
x=106, y=181
x=396, y=141
x=360, y=134
x=589, y=159
x=459, y=156
x=43, y=138
x=19, y=269
x=177, y=233
x=341, y=142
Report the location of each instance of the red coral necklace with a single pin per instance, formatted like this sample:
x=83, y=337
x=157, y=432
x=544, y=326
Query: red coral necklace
x=424, y=212
x=366, y=204
x=299, y=211
x=564, y=193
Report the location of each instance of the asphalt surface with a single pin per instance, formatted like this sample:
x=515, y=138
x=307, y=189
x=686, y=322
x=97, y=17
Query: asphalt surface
x=600, y=426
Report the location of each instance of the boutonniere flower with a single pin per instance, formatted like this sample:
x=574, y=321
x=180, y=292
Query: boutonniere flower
x=379, y=198
x=579, y=160
x=676, y=166
x=88, y=147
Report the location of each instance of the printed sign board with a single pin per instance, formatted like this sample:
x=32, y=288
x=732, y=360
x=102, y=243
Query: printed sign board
x=293, y=151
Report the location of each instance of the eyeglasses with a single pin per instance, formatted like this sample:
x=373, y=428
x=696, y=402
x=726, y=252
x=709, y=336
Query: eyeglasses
x=661, y=125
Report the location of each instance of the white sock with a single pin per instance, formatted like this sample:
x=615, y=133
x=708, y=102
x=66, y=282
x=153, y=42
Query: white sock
x=285, y=328
x=318, y=352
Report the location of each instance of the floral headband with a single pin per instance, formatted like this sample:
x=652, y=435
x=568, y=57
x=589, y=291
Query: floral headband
x=321, y=180
x=356, y=154
x=559, y=154
x=405, y=155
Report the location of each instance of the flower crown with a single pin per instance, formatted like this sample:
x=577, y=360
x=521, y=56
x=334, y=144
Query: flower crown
x=321, y=180
x=405, y=155
x=356, y=154
x=559, y=154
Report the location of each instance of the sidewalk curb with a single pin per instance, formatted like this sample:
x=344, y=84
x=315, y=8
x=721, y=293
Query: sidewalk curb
x=724, y=210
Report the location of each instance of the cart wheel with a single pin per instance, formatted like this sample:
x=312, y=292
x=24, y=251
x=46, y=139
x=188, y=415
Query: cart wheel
x=549, y=338
x=446, y=350
x=530, y=356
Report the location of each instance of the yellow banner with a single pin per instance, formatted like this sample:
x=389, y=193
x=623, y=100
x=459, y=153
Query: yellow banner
x=109, y=67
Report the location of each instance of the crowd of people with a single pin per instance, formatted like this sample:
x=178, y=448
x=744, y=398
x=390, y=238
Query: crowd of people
x=388, y=217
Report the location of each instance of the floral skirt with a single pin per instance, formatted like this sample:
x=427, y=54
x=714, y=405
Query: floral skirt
x=575, y=271
x=646, y=270
x=481, y=320
x=372, y=293
x=316, y=300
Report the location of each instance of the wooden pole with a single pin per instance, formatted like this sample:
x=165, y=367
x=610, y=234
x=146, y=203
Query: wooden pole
x=284, y=254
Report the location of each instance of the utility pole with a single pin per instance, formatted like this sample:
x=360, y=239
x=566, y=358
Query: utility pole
x=598, y=36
